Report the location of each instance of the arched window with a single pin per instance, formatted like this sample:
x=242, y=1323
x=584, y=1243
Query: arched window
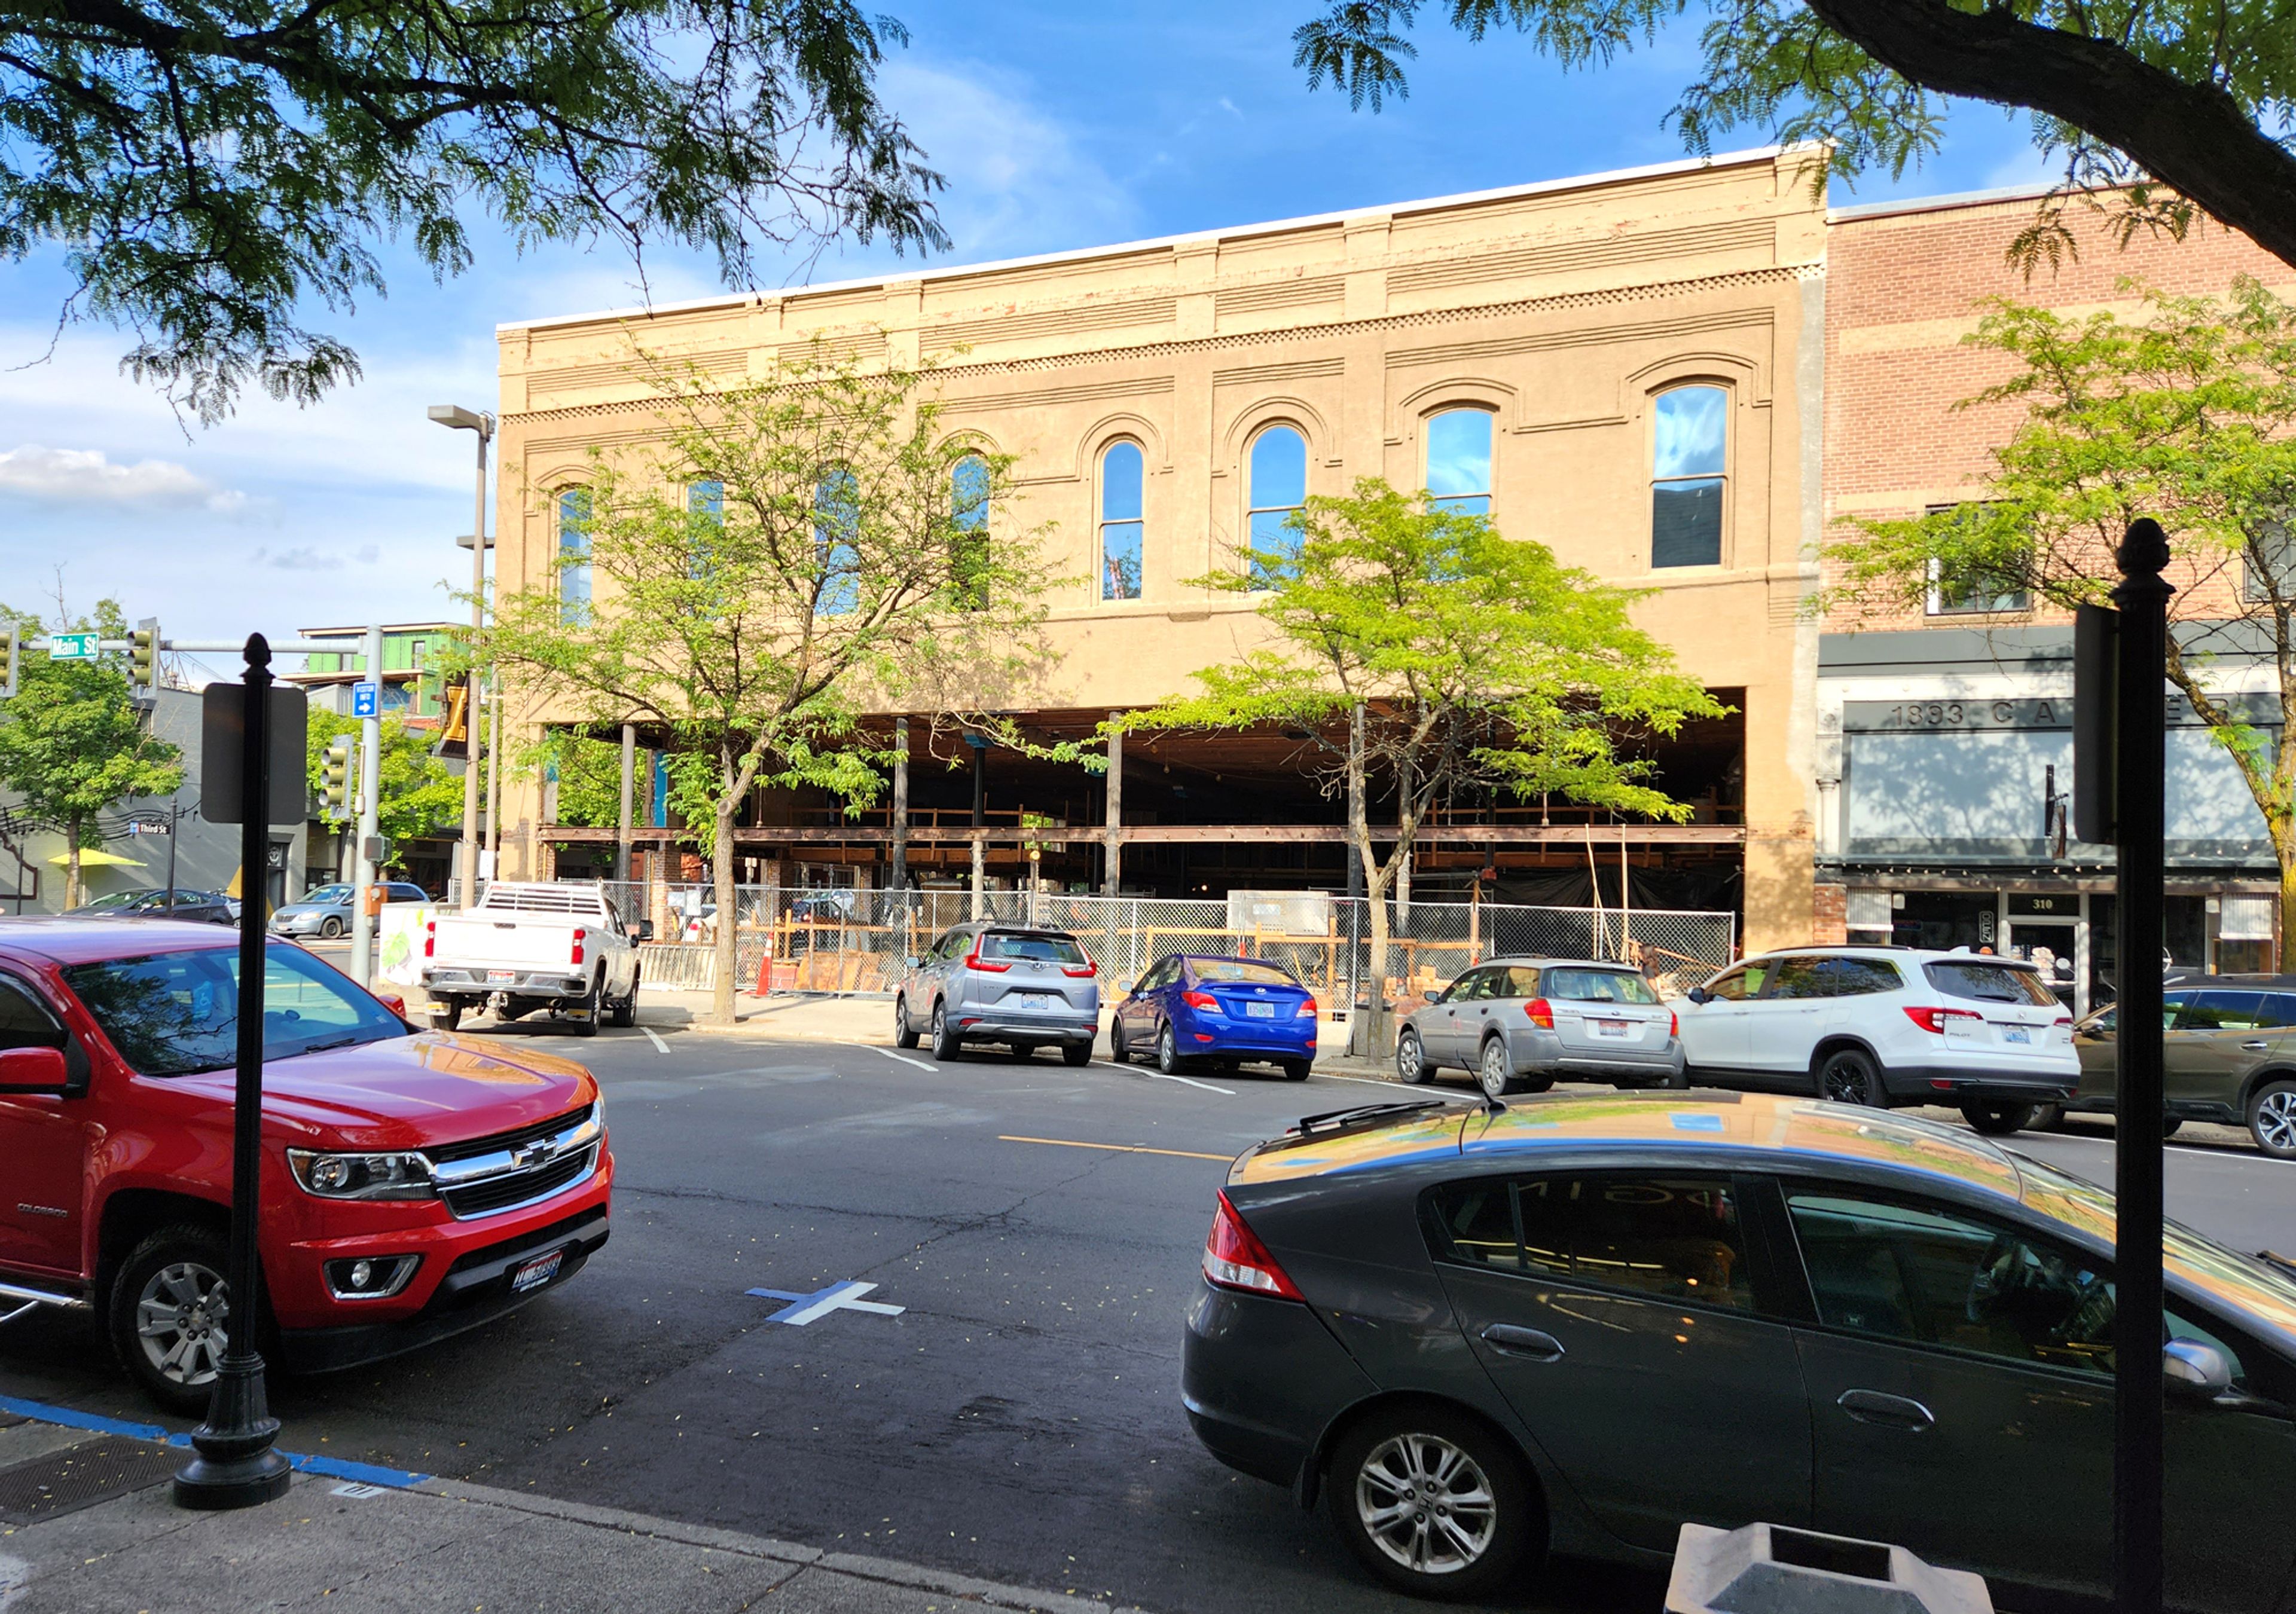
x=1279, y=487
x=969, y=482
x=836, y=535
x=1690, y=436
x=1459, y=460
x=574, y=557
x=1120, y=528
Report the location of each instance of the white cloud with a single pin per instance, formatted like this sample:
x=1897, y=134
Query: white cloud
x=87, y=476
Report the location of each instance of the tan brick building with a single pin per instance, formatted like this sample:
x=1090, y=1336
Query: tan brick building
x=1937, y=732
x=1626, y=367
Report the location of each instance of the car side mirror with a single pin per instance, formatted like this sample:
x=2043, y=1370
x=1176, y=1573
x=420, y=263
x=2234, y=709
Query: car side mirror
x=1699, y=994
x=40, y=1071
x=914, y=961
x=393, y=1002
x=643, y=930
x=2194, y=1370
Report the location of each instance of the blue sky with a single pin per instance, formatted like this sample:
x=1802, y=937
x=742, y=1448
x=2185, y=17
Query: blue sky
x=1060, y=127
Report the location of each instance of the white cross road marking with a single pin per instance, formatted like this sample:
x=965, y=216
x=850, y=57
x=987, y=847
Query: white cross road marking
x=659, y=1046
x=889, y=1053
x=813, y=1307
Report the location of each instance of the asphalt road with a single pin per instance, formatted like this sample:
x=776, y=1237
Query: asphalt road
x=1018, y=1419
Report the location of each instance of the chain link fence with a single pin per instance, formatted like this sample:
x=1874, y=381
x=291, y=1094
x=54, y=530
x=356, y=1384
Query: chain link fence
x=811, y=940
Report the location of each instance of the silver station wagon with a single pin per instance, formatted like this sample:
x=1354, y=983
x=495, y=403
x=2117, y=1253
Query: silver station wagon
x=1517, y=1024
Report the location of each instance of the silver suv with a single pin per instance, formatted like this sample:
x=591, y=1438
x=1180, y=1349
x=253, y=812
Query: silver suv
x=1009, y=984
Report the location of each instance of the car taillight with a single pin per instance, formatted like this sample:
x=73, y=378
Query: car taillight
x=1307, y=1010
x=973, y=961
x=1199, y=1000
x=1937, y=1020
x=430, y=939
x=1087, y=973
x=1541, y=1014
x=1673, y=1023
x=579, y=938
x=1235, y=1258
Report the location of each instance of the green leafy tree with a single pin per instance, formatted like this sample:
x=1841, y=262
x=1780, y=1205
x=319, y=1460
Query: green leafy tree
x=795, y=552
x=2187, y=415
x=2197, y=94
x=418, y=795
x=72, y=744
x=1476, y=661
x=209, y=171
x=589, y=775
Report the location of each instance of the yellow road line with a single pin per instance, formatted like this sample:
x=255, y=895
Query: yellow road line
x=1184, y=1154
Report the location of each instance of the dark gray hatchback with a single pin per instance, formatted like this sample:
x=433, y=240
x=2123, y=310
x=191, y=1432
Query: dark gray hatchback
x=1576, y=1323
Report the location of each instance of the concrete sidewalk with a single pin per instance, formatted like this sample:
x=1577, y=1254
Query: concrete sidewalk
x=86, y=1524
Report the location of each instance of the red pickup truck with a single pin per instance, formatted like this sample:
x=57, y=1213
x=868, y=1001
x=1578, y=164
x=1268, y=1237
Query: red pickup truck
x=416, y=1184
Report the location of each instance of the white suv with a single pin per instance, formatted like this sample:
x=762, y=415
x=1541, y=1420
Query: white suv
x=1886, y=1026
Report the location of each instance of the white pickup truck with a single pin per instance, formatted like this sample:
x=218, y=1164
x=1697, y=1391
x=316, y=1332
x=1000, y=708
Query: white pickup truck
x=529, y=946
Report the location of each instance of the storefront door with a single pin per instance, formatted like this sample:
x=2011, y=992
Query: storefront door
x=2055, y=944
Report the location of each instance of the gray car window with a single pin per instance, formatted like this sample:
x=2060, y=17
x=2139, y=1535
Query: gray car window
x=1475, y=1223
x=23, y=1022
x=2278, y=1010
x=1928, y=1275
x=1800, y=978
x=1473, y=986
x=1676, y=1237
x=1858, y=977
x=1742, y=982
x=2222, y=1011
x=1595, y=987
x=1983, y=980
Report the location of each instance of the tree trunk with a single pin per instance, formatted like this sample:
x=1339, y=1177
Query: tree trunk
x=71, y=863
x=2283, y=848
x=721, y=868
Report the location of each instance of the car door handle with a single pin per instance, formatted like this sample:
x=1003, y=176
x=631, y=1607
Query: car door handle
x=1523, y=1342
x=2258, y=1046
x=1895, y=1412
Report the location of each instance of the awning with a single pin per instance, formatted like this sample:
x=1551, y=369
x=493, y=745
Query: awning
x=91, y=858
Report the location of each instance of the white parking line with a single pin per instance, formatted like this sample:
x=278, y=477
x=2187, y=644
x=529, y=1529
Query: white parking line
x=889, y=1053
x=1160, y=1076
x=659, y=1046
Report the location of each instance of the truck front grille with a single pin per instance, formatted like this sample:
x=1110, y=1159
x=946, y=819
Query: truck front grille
x=491, y=1174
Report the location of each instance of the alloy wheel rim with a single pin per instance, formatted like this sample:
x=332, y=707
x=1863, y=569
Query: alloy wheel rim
x=1494, y=1069
x=1167, y=1050
x=180, y=1320
x=2276, y=1120
x=1845, y=1083
x=1406, y=1056
x=1426, y=1504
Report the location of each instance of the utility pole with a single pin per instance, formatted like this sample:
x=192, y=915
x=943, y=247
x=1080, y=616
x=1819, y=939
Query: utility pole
x=630, y=789
x=370, y=802
x=493, y=775
x=482, y=423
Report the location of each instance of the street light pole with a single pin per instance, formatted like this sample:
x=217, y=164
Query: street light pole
x=482, y=423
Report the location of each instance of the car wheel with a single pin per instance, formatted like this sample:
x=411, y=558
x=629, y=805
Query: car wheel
x=330, y=928
x=1495, y=1070
x=1997, y=1121
x=1296, y=1070
x=1119, y=1046
x=944, y=1045
x=1076, y=1053
x=1676, y=1083
x=2168, y=1125
x=595, y=1006
x=1022, y=1050
x=1411, y=1064
x=447, y=1014
x=1432, y=1503
x=1167, y=1050
x=2272, y=1119
x=905, y=1035
x=626, y=1012
x=1848, y=1077
x=2046, y=1118
x=168, y=1312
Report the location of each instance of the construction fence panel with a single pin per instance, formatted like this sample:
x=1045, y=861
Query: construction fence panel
x=810, y=939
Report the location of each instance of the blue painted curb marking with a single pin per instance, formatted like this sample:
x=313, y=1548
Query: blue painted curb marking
x=1697, y=1122
x=308, y=1463
x=811, y=1308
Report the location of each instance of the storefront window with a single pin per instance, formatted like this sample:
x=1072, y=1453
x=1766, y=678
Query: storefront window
x=1944, y=919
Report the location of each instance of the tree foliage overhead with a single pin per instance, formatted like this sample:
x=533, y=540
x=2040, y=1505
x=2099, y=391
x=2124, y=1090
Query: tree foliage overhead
x=2197, y=94
x=419, y=797
x=2187, y=415
x=209, y=169
x=72, y=743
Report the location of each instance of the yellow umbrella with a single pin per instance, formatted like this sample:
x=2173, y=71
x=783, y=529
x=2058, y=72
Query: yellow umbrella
x=91, y=858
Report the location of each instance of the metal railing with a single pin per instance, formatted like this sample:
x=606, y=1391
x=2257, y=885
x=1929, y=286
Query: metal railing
x=802, y=939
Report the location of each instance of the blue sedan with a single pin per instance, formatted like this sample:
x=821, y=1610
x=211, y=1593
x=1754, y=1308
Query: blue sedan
x=1225, y=1010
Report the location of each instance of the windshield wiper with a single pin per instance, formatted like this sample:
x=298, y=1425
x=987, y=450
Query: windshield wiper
x=1332, y=1119
x=339, y=1042
x=2270, y=1258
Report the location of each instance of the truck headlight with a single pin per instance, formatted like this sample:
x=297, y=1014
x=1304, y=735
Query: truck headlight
x=362, y=1177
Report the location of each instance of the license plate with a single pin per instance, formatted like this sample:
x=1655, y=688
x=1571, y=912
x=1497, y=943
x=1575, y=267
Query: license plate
x=538, y=1272
x=1033, y=1000
x=1613, y=1028
x=1259, y=1011
x=2015, y=1034
x=504, y=976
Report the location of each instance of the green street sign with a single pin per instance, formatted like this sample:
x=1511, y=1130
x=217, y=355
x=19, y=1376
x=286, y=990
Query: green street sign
x=72, y=647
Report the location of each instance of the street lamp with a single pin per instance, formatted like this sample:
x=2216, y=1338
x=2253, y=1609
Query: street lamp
x=479, y=421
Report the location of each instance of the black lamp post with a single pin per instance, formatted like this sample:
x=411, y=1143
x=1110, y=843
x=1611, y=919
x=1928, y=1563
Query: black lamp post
x=235, y=1465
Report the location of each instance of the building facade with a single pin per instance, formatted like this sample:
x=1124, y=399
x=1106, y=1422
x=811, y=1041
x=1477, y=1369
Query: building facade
x=1943, y=735
x=1627, y=368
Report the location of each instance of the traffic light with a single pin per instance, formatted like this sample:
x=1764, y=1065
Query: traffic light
x=454, y=727
x=335, y=779
x=10, y=648
x=143, y=658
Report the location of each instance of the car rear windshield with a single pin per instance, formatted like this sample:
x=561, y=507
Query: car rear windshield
x=1989, y=983
x=177, y=1013
x=1035, y=945
x=1598, y=987
x=1243, y=970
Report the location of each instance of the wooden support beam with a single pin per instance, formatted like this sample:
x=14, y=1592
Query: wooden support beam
x=1191, y=834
